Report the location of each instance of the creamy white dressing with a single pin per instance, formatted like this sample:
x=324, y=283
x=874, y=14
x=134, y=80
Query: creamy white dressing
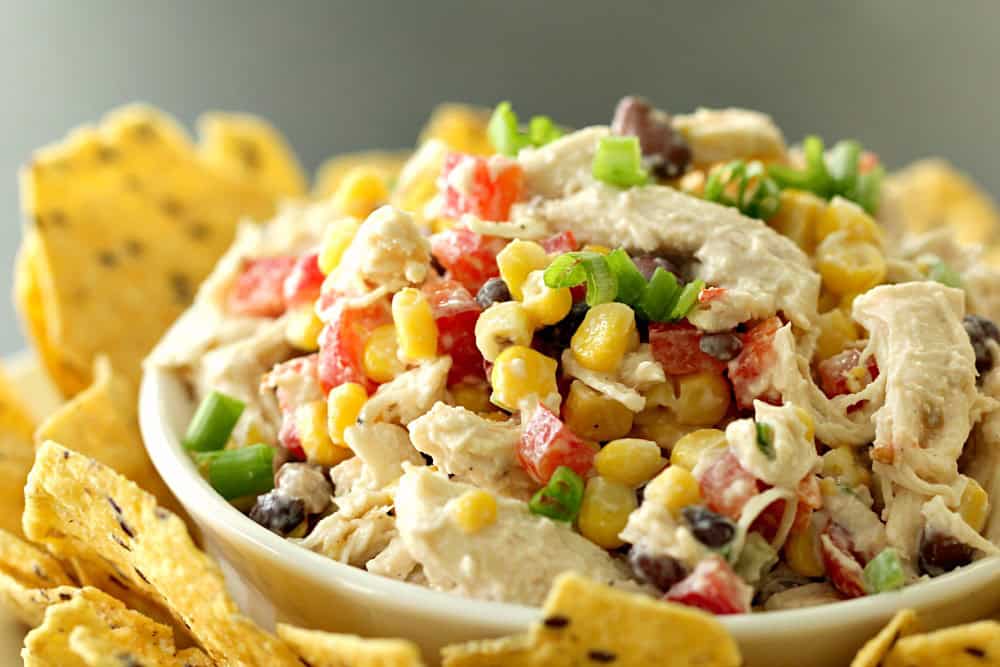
x=791, y=455
x=606, y=383
x=654, y=529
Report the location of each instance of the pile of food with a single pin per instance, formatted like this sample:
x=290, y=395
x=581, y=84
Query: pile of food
x=668, y=359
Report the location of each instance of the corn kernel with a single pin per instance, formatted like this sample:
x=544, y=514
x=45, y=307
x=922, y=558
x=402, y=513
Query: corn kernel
x=362, y=190
x=604, y=511
x=502, y=325
x=380, y=359
x=336, y=238
x=474, y=510
x=808, y=421
x=974, y=505
x=594, y=416
x=701, y=399
x=517, y=260
x=439, y=225
x=472, y=396
x=849, y=266
x=416, y=330
x=519, y=373
x=344, y=404
x=688, y=450
x=676, y=488
x=603, y=337
x=461, y=127
x=659, y=425
x=303, y=328
x=418, y=181
x=846, y=303
x=599, y=249
x=797, y=218
x=827, y=300
x=802, y=552
x=836, y=330
x=841, y=463
x=311, y=427
x=629, y=461
x=544, y=304
x=842, y=215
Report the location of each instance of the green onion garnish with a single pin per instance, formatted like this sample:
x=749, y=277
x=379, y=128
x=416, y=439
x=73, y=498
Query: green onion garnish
x=765, y=440
x=573, y=268
x=507, y=137
x=213, y=422
x=542, y=130
x=561, y=498
x=660, y=296
x=884, y=572
x=618, y=161
x=687, y=298
x=756, y=196
x=835, y=173
x=944, y=274
x=247, y=471
x=631, y=284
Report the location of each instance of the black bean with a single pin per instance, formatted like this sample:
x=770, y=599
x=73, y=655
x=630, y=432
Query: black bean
x=981, y=330
x=552, y=340
x=647, y=265
x=660, y=571
x=494, y=290
x=711, y=529
x=277, y=512
x=722, y=346
x=940, y=553
x=668, y=152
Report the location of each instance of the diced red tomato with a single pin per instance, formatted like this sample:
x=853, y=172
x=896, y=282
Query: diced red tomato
x=342, y=342
x=562, y=242
x=714, y=587
x=843, y=569
x=710, y=294
x=579, y=292
x=835, y=373
x=726, y=486
x=484, y=187
x=675, y=347
x=470, y=258
x=455, y=312
x=304, y=282
x=288, y=437
x=259, y=289
x=547, y=443
x=755, y=359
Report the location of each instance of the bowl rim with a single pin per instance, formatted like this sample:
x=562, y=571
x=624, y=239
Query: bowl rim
x=199, y=498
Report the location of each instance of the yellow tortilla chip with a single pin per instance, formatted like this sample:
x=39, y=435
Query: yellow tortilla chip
x=585, y=623
x=461, y=126
x=249, y=149
x=79, y=508
x=332, y=172
x=903, y=624
x=91, y=627
x=102, y=422
x=128, y=221
x=972, y=645
x=324, y=649
x=16, y=454
x=30, y=580
x=931, y=193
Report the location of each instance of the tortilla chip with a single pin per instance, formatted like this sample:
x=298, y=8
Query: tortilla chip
x=589, y=623
x=77, y=507
x=932, y=192
x=249, y=149
x=30, y=580
x=331, y=173
x=16, y=454
x=972, y=645
x=461, y=126
x=324, y=649
x=103, y=423
x=128, y=221
x=94, y=621
x=903, y=624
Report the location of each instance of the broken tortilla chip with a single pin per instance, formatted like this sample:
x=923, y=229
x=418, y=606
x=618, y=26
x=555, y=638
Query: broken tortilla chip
x=577, y=629
x=79, y=508
x=325, y=649
x=904, y=623
x=249, y=149
x=16, y=455
x=332, y=172
x=30, y=580
x=971, y=645
x=461, y=127
x=128, y=221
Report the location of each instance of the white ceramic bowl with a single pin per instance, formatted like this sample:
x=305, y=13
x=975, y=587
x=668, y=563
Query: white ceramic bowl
x=276, y=580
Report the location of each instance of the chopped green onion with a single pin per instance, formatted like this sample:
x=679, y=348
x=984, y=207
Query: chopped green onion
x=618, y=161
x=660, y=297
x=561, y=498
x=247, y=471
x=765, y=440
x=503, y=131
x=686, y=300
x=572, y=268
x=631, y=284
x=866, y=191
x=757, y=195
x=842, y=163
x=541, y=130
x=831, y=174
x=884, y=572
x=213, y=422
x=756, y=559
x=944, y=274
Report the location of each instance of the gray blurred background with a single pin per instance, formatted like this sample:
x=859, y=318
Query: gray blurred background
x=908, y=78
